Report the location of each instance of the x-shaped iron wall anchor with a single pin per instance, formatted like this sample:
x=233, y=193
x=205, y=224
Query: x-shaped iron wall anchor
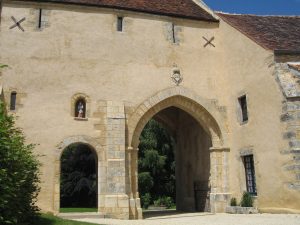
x=209, y=42
x=17, y=23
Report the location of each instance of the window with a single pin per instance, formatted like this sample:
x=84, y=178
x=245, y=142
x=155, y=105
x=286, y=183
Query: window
x=40, y=19
x=120, y=24
x=173, y=33
x=250, y=174
x=13, y=100
x=80, y=108
x=243, y=108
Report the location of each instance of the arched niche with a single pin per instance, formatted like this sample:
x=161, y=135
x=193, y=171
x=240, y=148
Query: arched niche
x=80, y=106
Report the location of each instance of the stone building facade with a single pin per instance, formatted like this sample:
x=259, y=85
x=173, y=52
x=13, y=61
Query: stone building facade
x=226, y=86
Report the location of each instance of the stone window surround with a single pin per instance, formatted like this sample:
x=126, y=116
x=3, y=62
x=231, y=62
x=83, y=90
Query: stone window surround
x=20, y=96
x=40, y=17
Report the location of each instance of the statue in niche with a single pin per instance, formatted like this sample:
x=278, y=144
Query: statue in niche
x=80, y=109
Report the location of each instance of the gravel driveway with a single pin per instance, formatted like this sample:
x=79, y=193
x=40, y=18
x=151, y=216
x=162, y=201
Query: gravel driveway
x=206, y=219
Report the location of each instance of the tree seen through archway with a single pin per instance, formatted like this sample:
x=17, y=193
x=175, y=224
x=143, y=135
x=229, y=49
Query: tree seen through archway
x=78, y=181
x=156, y=166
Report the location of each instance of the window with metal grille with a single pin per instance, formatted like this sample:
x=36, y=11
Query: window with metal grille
x=243, y=108
x=250, y=174
x=120, y=24
x=13, y=100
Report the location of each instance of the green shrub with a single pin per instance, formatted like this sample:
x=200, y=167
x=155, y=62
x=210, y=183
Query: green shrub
x=246, y=200
x=164, y=201
x=19, y=176
x=233, y=202
x=146, y=200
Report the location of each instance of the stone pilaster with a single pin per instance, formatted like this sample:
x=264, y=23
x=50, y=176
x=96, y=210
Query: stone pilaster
x=116, y=199
x=134, y=202
x=219, y=195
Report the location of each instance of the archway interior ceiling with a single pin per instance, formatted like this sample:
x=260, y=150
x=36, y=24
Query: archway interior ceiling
x=170, y=119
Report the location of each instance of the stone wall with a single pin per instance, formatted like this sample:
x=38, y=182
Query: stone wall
x=289, y=81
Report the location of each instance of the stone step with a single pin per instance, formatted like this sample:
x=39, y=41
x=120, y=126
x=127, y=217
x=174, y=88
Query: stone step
x=89, y=215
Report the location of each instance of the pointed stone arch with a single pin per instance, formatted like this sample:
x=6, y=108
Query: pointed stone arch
x=209, y=115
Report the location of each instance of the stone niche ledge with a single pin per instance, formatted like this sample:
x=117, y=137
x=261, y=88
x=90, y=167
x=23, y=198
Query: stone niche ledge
x=81, y=119
x=241, y=210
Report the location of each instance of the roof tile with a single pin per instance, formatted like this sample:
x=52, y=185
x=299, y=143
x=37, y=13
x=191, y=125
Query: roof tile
x=176, y=8
x=271, y=32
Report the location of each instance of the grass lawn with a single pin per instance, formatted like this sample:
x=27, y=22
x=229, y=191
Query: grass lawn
x=46, y=219
x=79, y=210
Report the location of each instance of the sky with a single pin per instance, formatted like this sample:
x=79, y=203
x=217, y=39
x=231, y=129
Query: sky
x=258, y=7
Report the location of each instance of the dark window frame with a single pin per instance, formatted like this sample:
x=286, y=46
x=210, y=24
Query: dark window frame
x=40, y=19
x=250, y=174
x=120, y=23
x=243, y=108
x=173, y=34
x=13, y=101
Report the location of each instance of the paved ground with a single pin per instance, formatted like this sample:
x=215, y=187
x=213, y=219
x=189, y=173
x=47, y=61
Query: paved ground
x=206, y=219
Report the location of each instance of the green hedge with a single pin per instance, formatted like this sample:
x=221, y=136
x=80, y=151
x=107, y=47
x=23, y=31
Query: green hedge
x=19, y=174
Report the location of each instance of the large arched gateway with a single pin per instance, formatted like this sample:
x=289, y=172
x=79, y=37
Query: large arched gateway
x=201, y=158
x=95, y=72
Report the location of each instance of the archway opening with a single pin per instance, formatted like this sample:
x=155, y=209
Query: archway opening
x=78, y=179
x=176, y=147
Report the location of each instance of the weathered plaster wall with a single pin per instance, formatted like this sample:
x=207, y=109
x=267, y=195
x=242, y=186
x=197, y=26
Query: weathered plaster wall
x=250, y=70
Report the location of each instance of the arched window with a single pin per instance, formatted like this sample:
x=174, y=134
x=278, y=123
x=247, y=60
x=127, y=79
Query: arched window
x=80, y=108
x=13, y=100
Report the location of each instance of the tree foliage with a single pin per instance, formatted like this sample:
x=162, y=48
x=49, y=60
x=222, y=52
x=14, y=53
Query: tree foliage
x=78, y=177
x=156, y=164
x=19, y=174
